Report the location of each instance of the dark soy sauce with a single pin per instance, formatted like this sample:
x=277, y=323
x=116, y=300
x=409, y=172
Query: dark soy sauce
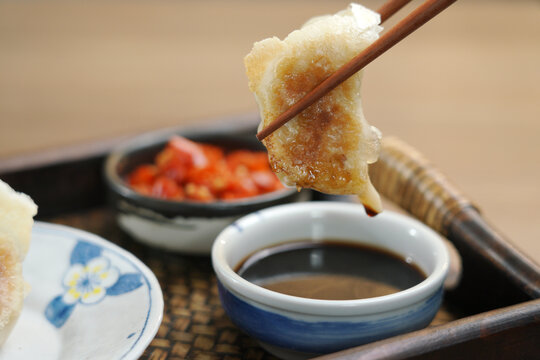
x=329, y=270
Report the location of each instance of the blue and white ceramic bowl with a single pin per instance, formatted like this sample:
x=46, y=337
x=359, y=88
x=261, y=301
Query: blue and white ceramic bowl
x=290, y=326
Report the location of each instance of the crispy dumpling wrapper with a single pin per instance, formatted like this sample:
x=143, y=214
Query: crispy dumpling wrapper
x=329, y=145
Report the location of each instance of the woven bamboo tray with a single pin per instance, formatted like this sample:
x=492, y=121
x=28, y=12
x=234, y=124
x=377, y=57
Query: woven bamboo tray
x=493, y=313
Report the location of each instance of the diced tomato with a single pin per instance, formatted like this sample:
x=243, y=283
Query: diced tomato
x=241, y=171
x=203, y=172
x=216, y=178
x=172, y=166
x=167, y=188
x=143, y=175
x=167, y=155
x=266, y=181
x=189, y=150
x=213, y=153
x=253, y=161
x=198, y=192
x=240, y=188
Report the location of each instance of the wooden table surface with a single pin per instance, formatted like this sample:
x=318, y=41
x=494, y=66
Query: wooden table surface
x=464, y=89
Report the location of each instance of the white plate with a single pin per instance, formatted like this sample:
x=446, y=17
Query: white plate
x=89, y=299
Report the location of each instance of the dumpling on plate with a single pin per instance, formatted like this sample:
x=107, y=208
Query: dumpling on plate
x=16, y=220
x=329, y=145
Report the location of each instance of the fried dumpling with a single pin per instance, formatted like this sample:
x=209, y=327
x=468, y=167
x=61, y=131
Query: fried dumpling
x=16, y=220
x=329, y=145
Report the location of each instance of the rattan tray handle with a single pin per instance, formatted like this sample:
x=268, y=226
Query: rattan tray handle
x=408, y=179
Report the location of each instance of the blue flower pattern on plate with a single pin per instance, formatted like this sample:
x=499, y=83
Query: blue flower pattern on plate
x=89, y=279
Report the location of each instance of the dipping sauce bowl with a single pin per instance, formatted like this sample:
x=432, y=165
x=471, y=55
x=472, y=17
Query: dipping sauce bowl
x=296, y=327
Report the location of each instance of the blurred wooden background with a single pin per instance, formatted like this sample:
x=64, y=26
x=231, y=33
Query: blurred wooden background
x=464, y=89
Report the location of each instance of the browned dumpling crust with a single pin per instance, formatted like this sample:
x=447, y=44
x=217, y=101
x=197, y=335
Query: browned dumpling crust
x=329, y=145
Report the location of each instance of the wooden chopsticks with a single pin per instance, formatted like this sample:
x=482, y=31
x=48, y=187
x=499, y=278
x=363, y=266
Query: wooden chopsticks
x=405, y=27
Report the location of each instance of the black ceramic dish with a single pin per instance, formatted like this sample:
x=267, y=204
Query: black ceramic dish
x=179, y=225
